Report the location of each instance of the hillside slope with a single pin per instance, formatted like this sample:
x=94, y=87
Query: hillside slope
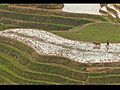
x=20, y=64
x=42, y=58
x=26, y=17
x=94, y=32
x=49, y=44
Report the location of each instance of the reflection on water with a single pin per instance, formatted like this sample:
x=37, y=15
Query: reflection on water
x=82, y=8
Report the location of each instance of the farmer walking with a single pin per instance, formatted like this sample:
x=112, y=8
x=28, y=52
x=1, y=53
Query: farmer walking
x=107, y=46
x=107, y=42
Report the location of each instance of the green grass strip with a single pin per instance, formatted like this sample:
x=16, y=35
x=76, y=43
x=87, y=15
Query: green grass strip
x=18, y=79
x=36, y=75
x=45, y=66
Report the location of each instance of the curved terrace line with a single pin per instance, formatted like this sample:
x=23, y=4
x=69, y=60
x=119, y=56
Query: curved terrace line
x=111, y=10
x=80, y=51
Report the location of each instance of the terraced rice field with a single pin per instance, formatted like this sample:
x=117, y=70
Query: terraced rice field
x=20, y=64
x=49, y=44
x=39, y=57
x=94, y=32
x=46, y=22
x=55, y=13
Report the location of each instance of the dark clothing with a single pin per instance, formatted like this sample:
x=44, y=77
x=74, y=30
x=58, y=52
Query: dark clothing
x=107, y=43
x=107, y=46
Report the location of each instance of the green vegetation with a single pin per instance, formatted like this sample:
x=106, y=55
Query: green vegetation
x=95, y=32
x=6, y=26
x=20, y=64
x=4, y=80
x=43, y=6
x=34, y=25
x=15, y=60
x=40, y=21
x=44, y=18
x=3, y=5
x=2, y=26
x=55, y=13
x=50, y=6
x=106, y=80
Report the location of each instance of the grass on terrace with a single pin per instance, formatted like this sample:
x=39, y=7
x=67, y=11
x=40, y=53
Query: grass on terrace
x=45, y=22
x=94, y=32
x=53, y=13
x=6, y=26
x=20, y=64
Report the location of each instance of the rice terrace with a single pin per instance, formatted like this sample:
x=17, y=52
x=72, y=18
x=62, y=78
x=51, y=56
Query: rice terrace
x=44, y=44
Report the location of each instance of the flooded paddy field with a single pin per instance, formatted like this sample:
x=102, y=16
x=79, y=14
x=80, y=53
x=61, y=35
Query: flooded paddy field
x=47, y=43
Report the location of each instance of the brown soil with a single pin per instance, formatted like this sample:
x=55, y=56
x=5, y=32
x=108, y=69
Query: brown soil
x=101, y=69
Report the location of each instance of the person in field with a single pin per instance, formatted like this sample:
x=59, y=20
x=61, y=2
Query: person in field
x=107, y=46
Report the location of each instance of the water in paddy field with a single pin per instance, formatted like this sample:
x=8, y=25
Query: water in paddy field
x=82, y=8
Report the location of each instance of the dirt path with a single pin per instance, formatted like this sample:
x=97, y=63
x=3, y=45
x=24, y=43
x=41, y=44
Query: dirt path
x=101, y=69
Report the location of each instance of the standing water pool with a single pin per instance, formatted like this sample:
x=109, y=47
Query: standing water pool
x=82, y=8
